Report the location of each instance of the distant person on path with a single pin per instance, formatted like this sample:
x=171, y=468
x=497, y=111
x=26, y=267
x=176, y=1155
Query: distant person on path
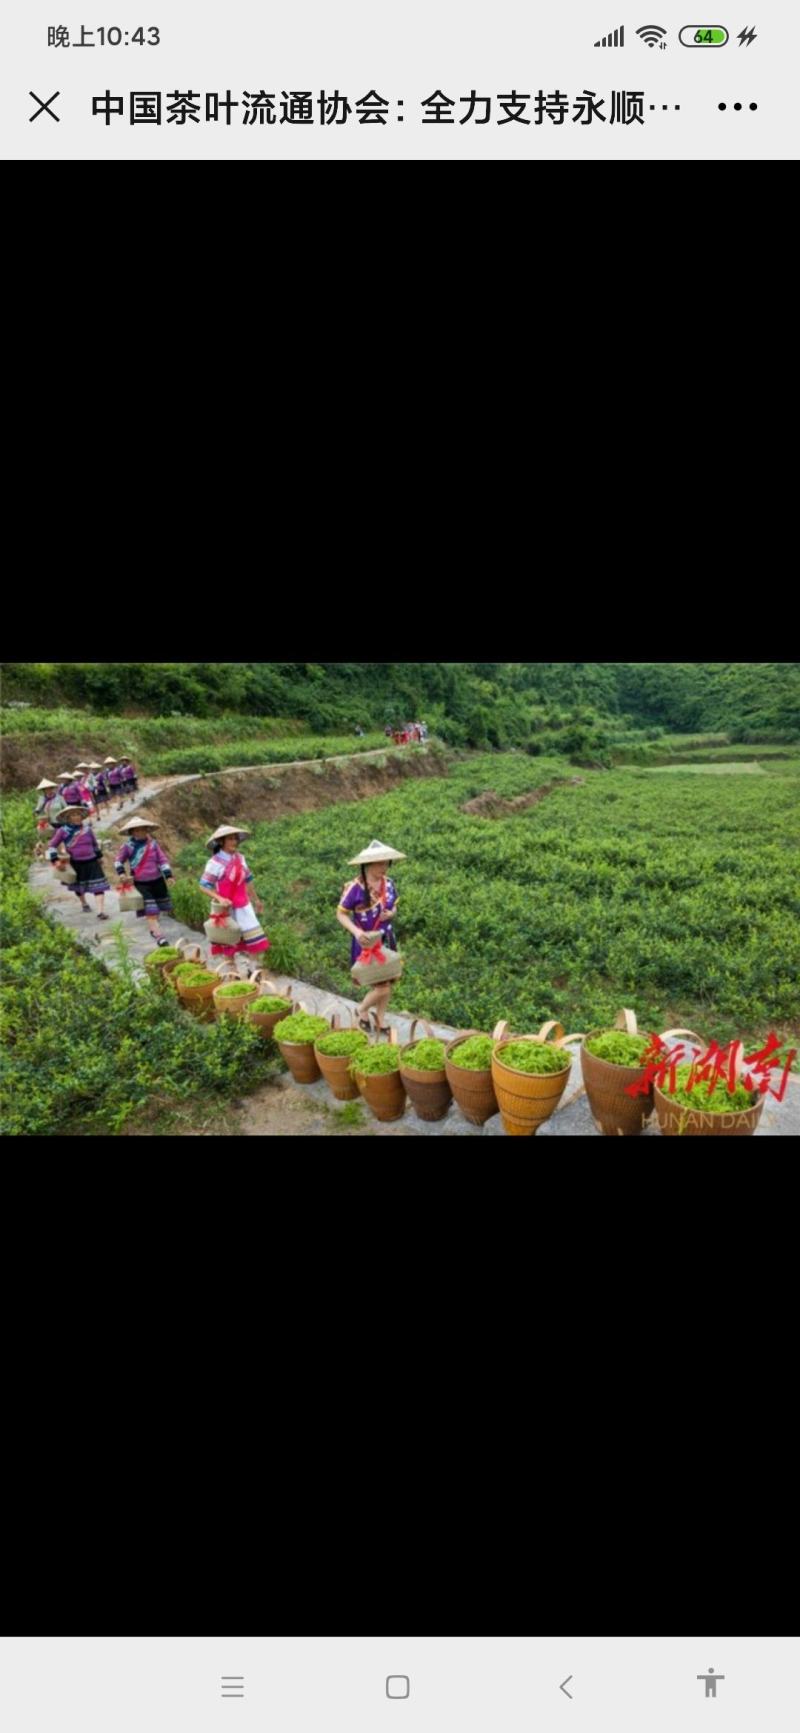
x=76, y=793
x=129, y=777
x=115, y=782
x=45, y=790
x=100, y=786
x=84, y=852
x=58, y=802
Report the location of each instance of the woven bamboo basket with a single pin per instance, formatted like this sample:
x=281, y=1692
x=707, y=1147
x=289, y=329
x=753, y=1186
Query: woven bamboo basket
x=616, y=1114
x=264, y=1021
x=678, y=1121
x=335, y=1067
x=240, y=1005
x=198, y=1000
x=299, y=1055
x=473, y=1091
x=525, y=1100
x=384, y=1095
x=428, y=1091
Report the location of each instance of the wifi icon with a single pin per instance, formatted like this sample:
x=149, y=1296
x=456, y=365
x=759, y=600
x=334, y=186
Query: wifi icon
x=652, y=34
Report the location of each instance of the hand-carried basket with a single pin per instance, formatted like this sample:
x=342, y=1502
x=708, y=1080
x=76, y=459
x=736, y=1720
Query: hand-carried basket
x=221, y=928
x=130, y=897
x=379, y=963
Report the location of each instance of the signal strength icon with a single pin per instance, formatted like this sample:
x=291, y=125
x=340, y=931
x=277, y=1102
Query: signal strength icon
x=652, y=35
x=615, y=39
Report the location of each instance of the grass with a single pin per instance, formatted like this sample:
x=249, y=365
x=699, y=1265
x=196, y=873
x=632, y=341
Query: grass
x=738, y=769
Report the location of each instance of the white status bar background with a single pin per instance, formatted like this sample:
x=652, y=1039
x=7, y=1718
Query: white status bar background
x=456, y=1684
x=406, y=53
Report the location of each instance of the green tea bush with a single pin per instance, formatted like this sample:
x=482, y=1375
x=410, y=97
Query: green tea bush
x=189, y=904
x=239, y=752
x=623, y=889
x=84, y=1051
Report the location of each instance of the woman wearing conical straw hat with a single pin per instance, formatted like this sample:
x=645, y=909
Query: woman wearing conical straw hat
x=228, y=878
x=149, y=870
x=100, y=786
x=115, y=781
x=130, y=780
x=58, y=802
x=368, y=905
x=45, y=790
x=84, y=851
x=77, y=792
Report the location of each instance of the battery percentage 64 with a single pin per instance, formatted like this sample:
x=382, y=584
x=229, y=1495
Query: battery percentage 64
x=703, y=36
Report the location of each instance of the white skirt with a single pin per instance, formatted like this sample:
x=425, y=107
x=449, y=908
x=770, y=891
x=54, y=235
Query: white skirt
x=245, y=918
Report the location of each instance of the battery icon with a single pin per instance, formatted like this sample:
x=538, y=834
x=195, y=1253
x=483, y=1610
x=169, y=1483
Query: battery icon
x=703, y=36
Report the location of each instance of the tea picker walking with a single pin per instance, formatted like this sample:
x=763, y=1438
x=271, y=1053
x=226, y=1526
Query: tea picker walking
x=58, y=801
x=368, y=905
x=46, y=791
x=84, y=851
x=149, y=871
x=228, y=878
x=115, y=781
x=130, y=780
x=100, y=786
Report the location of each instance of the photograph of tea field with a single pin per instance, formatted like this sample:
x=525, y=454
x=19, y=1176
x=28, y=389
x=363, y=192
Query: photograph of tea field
x=585, y=836
x=677, y=893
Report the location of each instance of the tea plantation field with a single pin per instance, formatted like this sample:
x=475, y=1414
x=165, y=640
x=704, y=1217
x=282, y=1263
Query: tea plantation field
x=678, y=895
x=38, y=742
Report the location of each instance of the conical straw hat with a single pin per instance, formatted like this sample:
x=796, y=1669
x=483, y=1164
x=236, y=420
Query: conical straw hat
x=228, y=830
x=376, y=851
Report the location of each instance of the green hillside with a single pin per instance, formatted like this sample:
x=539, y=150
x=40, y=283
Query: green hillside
x=576, y=706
